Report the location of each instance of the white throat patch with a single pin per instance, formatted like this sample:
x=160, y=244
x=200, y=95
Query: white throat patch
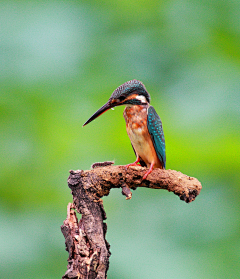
x=142, y=99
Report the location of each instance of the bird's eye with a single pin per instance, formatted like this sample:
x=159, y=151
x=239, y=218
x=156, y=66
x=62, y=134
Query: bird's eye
x=121, y=98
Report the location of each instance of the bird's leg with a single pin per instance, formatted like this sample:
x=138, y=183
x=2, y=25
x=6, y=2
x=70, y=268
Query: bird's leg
x=149, y=171
x=133, y=164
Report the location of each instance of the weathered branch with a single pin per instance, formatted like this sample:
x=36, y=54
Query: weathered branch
x=85, y=241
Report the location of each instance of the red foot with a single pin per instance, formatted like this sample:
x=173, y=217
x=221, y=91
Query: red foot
x=133, y=164
x=149, y=171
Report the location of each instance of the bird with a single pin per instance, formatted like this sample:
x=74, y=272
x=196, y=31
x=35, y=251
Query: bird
x=143, y=124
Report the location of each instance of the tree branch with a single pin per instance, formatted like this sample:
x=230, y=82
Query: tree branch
x=85, y=241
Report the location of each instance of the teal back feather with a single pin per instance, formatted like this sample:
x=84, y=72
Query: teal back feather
x=155, y=129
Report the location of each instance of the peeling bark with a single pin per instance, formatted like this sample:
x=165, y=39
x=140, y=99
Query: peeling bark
x=85, y=240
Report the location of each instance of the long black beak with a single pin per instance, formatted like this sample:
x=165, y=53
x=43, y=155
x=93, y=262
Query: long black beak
x=104, y=108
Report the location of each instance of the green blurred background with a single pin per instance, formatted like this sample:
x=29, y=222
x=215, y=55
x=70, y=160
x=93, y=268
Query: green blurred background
x=59, y=62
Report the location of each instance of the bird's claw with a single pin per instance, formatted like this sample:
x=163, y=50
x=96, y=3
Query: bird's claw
x=130, y=165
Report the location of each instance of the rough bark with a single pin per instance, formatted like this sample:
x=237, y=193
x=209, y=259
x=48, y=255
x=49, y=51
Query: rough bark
x=85, y=240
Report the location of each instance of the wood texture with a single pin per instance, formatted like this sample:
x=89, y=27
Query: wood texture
x=85, y=240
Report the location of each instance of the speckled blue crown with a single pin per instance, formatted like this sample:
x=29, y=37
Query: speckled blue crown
x=130, y=87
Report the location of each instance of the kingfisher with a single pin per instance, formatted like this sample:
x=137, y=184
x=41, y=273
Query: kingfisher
x=144, y=126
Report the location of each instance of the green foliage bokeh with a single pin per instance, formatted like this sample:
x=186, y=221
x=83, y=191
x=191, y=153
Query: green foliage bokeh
x=59, y=62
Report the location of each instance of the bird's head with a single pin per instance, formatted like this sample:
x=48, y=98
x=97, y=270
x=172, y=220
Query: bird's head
x=132, y=92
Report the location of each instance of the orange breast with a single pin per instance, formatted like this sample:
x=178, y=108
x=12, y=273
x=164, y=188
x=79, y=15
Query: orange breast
x=136, y=125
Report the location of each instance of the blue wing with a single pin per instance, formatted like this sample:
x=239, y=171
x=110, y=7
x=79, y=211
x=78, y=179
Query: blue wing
x=155, y=129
